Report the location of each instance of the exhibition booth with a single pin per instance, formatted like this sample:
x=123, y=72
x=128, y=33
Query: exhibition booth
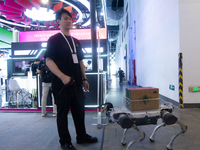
x=21, y=69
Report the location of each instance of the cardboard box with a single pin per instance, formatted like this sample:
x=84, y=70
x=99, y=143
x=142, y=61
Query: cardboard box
x=138, y=105
x=144, y=98
x=142, y=93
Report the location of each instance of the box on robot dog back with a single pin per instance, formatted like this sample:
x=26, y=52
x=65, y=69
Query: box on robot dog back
x=143, y=98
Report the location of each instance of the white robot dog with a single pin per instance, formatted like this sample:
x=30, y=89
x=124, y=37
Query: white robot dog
x=128, y=119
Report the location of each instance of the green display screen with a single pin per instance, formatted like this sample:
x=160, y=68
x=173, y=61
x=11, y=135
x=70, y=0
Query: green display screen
x=6, y=35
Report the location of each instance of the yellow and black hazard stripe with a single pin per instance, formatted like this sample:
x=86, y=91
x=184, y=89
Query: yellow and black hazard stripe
x=180, y=80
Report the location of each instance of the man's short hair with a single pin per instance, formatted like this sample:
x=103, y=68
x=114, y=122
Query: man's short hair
x=60, y=12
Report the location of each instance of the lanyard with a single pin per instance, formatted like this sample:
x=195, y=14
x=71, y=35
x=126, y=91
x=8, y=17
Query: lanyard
x=69, y=44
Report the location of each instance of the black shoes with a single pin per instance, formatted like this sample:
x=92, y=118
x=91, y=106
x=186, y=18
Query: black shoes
x=68, y=147
x=88, y=139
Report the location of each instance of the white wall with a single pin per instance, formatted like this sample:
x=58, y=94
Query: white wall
x=157, y=45
x=120, y=48
x=190, y=47
x=164, y=28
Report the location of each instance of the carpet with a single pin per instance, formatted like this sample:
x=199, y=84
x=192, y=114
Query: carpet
x=30, y=131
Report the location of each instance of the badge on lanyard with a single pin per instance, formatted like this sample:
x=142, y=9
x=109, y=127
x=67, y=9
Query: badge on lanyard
x=74, y=56
x=75, y=59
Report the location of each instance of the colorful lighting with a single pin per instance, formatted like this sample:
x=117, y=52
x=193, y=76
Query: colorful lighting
x=49, y=16
x=77, y=9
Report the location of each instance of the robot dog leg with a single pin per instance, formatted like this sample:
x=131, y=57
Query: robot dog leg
x=183, y=130
x=123, y=118
x=128, y=119
x=141, y=138
x=169, y=119
x=152, y=137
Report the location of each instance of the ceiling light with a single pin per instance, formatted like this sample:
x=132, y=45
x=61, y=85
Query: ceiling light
x=16, y=24
x=42, y=14
x=87, y=5
x=89, y=50
x=21, y=52
x=44, y=1
x=35, y=25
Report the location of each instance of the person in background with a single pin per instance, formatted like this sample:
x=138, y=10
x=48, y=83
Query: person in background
x=24, y=66
x=121, y=75
x=46, y=87
x=35, y=66
x=64, y=57
x=88, y=65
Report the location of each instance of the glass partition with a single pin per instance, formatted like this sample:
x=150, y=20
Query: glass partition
x=21, y=92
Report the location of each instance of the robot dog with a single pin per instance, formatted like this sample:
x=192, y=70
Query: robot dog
x=128, y=119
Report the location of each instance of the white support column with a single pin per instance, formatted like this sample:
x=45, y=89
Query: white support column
x=15, y=35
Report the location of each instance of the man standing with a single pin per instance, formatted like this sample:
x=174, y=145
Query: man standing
x=46, y=78
x=121, y=75
x=64, y=58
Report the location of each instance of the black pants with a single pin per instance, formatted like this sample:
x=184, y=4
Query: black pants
x=120, y=79
x=72, y=98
